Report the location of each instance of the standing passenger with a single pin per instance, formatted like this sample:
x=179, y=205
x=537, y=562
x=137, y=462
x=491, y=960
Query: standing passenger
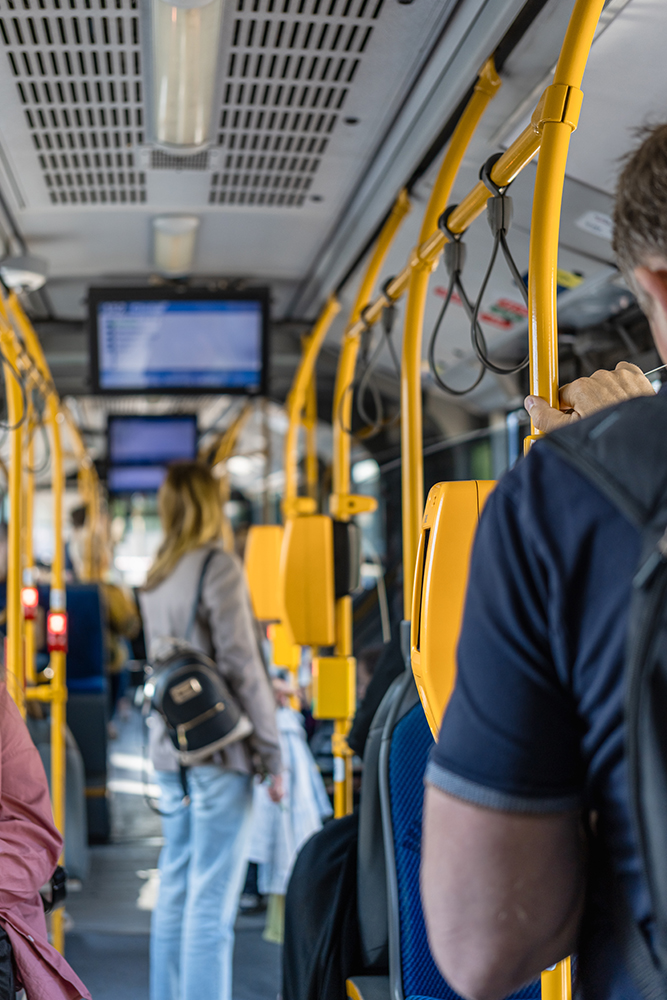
x=530, y=852
x=204, y=857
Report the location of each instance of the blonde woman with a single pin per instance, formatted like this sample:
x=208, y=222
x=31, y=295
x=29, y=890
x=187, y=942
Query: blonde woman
x=202, y=863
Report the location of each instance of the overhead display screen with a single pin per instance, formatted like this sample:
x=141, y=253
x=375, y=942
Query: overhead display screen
x=147, y=340
x=152, y=440
x=140, y=449
x=135, y=478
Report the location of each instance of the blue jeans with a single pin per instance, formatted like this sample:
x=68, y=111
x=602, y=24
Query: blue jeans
x=202, y=866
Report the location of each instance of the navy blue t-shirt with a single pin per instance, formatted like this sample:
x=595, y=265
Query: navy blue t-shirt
x=535, y=723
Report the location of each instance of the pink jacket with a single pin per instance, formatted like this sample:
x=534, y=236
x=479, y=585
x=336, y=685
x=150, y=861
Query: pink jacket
x=30, y=847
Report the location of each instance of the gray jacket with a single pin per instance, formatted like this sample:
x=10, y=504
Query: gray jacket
x=224, y=631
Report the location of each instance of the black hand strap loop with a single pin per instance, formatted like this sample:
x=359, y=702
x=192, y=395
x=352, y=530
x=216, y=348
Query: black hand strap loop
x=454, y=260
x=499, y=215
x=370, y=359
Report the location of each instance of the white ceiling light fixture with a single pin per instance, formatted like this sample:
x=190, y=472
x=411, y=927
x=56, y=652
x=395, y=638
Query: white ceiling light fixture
x=186, y=42
x=174, y=243
x=25, y=273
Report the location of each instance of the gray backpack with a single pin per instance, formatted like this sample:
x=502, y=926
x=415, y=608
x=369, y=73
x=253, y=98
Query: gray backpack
x=185, y=687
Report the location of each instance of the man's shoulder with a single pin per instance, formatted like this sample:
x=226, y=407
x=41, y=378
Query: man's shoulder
x=544, y=479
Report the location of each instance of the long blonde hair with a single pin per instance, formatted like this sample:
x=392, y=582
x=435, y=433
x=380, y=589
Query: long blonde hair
x=191, y=515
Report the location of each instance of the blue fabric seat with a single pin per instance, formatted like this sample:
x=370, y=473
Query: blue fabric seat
x=408, y=743
x=85, y=639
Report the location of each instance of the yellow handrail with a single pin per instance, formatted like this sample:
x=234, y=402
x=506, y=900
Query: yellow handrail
x=55, y=691
x=30, y=671
x=412, y=468
x=292, y=502
x=15, y=416
x=558, y=118
x=347, y=359
x=89, y=490
x=343, y=504
x=309, y=422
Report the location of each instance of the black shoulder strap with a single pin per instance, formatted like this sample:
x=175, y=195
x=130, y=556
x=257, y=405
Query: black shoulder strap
x=197, y=600
x=623, y=452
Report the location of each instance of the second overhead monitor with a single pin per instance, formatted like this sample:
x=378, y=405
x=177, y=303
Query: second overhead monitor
x=141, y=447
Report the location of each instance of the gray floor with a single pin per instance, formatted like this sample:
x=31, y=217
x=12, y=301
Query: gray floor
x=107, y=943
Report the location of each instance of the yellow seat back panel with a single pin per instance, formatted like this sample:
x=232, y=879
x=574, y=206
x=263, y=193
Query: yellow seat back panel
x=262, y=570
x=450, y=521
x=307, y=580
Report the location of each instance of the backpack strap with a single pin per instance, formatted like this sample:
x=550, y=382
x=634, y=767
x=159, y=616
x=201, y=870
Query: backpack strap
x=623, y=452
x=197, y=601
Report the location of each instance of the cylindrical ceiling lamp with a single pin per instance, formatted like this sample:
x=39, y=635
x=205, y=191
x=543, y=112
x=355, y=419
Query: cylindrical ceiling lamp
x=186, y=39
x=174, y=243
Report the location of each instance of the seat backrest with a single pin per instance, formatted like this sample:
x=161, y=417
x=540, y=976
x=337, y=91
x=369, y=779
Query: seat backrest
x=86, y=653
x=449, y=525
x=371, y=864
x=406, y=745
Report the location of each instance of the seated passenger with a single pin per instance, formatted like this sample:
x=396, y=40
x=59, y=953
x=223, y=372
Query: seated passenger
x=203, y=860
x=30, y=847
x=528, y=839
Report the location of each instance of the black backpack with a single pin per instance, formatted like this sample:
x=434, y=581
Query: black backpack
x=186, y=688
x=623, y=452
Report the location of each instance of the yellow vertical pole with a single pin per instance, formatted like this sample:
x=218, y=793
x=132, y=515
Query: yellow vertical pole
x=28, y=525
x=292, y=503
x=57, y=659
x=342, y=504
x=57, y=694
x=412, y=458
x=558, y=119
x=14, y=644
x=310, y=427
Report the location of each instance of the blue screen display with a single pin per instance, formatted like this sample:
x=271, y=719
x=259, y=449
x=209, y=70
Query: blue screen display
x=189, y=344
x=135, y=478
x=152, y=440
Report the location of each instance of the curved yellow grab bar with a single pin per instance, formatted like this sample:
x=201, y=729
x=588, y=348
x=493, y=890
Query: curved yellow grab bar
x=412, y=458
x=292, y=502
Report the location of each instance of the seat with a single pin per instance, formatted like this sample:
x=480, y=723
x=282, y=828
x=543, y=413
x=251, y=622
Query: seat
x=372, y=902
x=451, y=516
x=76, y=821
x=87, y=707
x=406, y=744
x=371, y=863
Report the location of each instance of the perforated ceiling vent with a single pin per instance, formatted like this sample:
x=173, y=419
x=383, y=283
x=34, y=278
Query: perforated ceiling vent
x=289, y=70
x=289, y=66
x=161, y=160
x=77, y=66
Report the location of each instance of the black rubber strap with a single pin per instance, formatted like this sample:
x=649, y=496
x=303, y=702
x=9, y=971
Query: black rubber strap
x=200, y=588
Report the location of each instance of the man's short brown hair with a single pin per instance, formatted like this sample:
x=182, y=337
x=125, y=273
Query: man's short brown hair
x=640, y=213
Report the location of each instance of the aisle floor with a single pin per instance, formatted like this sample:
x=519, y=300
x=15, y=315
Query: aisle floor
x=107, y=944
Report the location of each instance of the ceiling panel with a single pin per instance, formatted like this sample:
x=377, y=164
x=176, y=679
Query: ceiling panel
x=307, y=89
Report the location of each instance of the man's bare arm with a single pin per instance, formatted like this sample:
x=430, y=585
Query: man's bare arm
x=502, y=892
x=586, y=396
